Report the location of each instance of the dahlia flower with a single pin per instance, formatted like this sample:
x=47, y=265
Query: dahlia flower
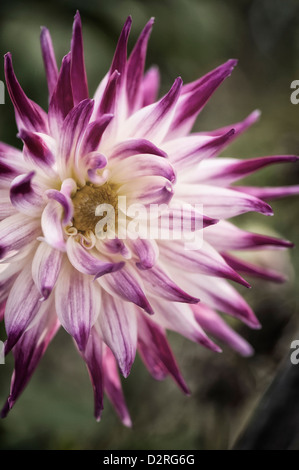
x=114, y=290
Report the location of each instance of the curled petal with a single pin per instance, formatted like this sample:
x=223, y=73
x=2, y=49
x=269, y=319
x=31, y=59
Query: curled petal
x=148, y=190
x=94, y=133
x=52, y=225
x=147, y=252
x=65, y=202
x=87, y=262
x=132, y=147
x=141, y=166
x=26, y=196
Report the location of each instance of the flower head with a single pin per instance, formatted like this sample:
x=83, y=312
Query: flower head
x=114, y=220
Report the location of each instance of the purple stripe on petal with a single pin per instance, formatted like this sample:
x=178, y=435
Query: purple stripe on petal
x=21, y=308
x=142, y=166
x=148, y=190
x=16, y=232
x=117, y=322
x=159, y=283
x=26, y=196
x=226, y=236
x=132, y=147
x=221, y=202
x=120, y=56
x=78, y=72
x=153, y=121
x=29, y=115
x=135, y=68
x=113, y=387
x=62, y=99
x=45, y=268
x=195, y=97
x=150, y=86
x=36, y=150
x=180, y=318
x=49, y=59
x=269, y=193
x=211, y=322
x=125, y=285
x=205, y=260
x=228, y=170
x=94, y=133
x=65, y=202
x=72, y=130
x=28, y=352
x=110, y=94
x=155, y=352
x=93, y=356
x=77, y=301
x=88, y=262
x=147, y=251
x=253, y=270
x=51, y=222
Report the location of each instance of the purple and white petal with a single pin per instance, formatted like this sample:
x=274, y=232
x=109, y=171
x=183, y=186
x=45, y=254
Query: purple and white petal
x=77, y=301
x=46, y=266
x=26, y=195
x=49, y=59
x=150, y=86
x=51, y=222
x=78, y=72
x=118, y=326
x=16, y=232
x=113, y=387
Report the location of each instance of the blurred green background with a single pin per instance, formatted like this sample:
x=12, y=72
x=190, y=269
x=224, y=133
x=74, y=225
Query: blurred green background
x=190, y=37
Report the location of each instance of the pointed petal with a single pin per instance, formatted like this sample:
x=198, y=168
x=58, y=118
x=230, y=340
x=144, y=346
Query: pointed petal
x=195, y=96
x=158, y=283
x=156, y=353
x=78, y=72
x=93, y=356
x=62, y=99
x=150, y=86
x=125, y=285
x=93, y=134
x=77, y=301
x=49, y=59
x=28, y=352
x=221, y=203
x=120, y=56
x=269, y=193
x=211, y=322
x=227, y=170
x=113, y=387
x=253, y=270
x=37, y=149
x=45, y=268
x=229, y=237
x=205, y=260
x=117, y=322
x=22, y=306
x=135, y=69
x=153, y=121
x=28, y=114
x=181, y=320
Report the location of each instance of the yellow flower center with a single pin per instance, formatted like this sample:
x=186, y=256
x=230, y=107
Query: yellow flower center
x=87, y=199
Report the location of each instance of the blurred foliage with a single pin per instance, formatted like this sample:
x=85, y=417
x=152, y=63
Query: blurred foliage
x=190, y=37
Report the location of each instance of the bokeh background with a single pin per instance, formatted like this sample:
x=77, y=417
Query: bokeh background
x=190, y=37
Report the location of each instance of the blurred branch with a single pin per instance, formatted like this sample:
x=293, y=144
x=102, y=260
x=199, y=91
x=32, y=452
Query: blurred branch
x=275, y=422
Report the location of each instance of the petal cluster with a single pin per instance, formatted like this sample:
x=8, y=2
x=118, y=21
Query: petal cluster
x=120, y=294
